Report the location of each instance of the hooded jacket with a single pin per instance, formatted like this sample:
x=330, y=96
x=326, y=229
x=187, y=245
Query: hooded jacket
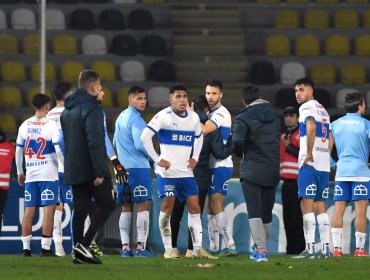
x=84, y=146
x=256, y=139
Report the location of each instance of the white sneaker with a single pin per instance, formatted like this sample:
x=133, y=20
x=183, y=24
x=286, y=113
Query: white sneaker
x=59, y=250
x=171, y=254
x=201, y=253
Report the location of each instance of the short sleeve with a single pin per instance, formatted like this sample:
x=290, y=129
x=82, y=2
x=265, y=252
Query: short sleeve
x=156, y=123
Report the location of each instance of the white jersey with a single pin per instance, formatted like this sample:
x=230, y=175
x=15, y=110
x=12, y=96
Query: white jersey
x=176, y=136
x=320, y=151
x=37, y=137
x=222, y=119
x=54, y=114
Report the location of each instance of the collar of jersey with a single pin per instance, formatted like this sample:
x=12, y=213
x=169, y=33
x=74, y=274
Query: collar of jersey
x=180, y=115
x=211, y=111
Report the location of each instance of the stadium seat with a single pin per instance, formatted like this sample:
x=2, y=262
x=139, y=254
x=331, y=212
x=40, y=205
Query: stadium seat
x=55, y=19
x=111, y=19
x=122, y=97
x=323, y=73
x=31, y=44
x=346, y=18
x=291, y=71
x=8, y=123
x=353, y=74
x=96, y=1
x=357, y=1
x=8, y=44
x=286, y=18
x=148, y=117
x=125, y=1
x=3, y=24
x=307, y=45
x=158, y=97
x=10, y=97
x=132, y=71
x=325, y=2
x=105, y=69
x=277, y=45
x=107, y=100
x=34, y=1
x=337, y=45
x=82, y=19
x=66, y=1
x=362, y=45
x=13, y=71
x=64, y=45
x=23, y=19
x=341, y=95
x=162, y=71
x=268, y=2
x=368, y=99
x=298, y=1
x=366, y=18
x=50, y=75
x=262, y=73
x=316, y=19
x=70, y=70
x=153, y=45
x=124, y=45
x=140, y=19
x=285, y=97
x=94, y=44
x=323, y=97
x=34, y=90
x=9, y=1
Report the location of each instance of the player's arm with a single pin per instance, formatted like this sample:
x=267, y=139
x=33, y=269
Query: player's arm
x=311, y=135
x=209, y=127
x=240, y=131
x=218, y=149
x=137, y=130
x=331, y=142
x=147, y=139
x=19, y=164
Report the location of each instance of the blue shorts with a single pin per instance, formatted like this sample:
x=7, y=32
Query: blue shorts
x=65, y=191
x=347, y=191
x=313, y=184
x=41, y=193
x=180, y=187
x=140, y=183
x=220, y=180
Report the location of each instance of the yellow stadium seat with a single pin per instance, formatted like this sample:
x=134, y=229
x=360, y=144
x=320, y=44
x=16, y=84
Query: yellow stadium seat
x=105, y=69
x=107, y=99
x=337, y=45
x=8, y=44
x=268, y=1
x=50, y=74
x=316, y=19
x=277, y=45
x=13, y=71
x=353, y=74
x=307, y=45
x=10, y=97
x=34, y=90
x=367, y=18
x=323, y=73
x=8, y=123
x=286, y=18
x=362, y=45
x=27, y=116
x=70, y=70
x=298, y=1
x=148, y=117
x=357, y=1
x=31, y=44
x=64, y=45
x=327, y=1
x=346, y=18
x=122, y=97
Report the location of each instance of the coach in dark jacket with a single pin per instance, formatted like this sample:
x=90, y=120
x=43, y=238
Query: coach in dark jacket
x=256, y=137
x=85, y=164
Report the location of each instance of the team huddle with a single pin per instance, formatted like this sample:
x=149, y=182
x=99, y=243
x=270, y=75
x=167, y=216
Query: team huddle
x=61, y=158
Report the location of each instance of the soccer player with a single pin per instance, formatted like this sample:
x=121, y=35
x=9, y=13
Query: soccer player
x=351, y=135
x=219, y=118
x=316, y=142
x=180, y=136
x=62, y=88
x=38, y=141
x=130, y=149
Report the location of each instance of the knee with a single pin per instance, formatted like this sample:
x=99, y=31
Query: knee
x=194, y=209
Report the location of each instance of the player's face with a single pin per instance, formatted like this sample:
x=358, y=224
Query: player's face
x=290, y=120
x=96, y=89
x=303, y=93
x=100, y=96
x=213, y=95
x=138, y=101
x=179, y=100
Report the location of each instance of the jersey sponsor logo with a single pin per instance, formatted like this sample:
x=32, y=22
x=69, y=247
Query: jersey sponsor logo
x=311, y=189
x=36, y=123
x=182, y=138
x=140, y=191
x=169, y=190
x=47, y=195
x=360, y=190
x=338, y=191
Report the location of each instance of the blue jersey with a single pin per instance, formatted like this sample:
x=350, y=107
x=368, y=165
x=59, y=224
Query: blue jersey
x=130, y=149
x=352, y=139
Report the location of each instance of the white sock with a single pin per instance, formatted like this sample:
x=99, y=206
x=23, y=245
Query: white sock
x=224, y=229
x=124, y=227
x=360, y=240
x=337, y=234
x=57, y=229
x=165, y=229
x=46, y=242
x=142, y=228
x=213, y=233
x=87, y=224
x=324, y=229
x=195, y=228
x=309, y=226
x=26, y=240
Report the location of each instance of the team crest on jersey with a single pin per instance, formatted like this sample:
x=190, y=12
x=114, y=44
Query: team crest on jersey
x=47, y=195
x=311, y=189
x=140, y=191
x=338, y=191
x=360, y=190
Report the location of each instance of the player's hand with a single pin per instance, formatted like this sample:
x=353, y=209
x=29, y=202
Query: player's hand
x=98, y=181
x=308, y=160
x=286, y=141
x=192, y=163
x=21, y=179
x=120, y=171
x=190, y=106
x=164, y=163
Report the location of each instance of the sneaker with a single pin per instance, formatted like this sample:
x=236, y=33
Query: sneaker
x=360, y=253
x=27, y=253
x=126, y=253
x=254, y=253
x=227, y=252
x=337, y=253
x=171, y=255
x=305, y=255
x=189, y=253
x=201, y=253
x=81, y=253
x=261, y=256
x=213, y=253
x=143, y=253
x=99, y=253
x=326, y=255
x=47, y=253
x=60, y=252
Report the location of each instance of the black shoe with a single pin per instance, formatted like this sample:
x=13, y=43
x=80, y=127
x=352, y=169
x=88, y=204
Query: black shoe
x=47, y=253
x=81, y=253
x=27, y=253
